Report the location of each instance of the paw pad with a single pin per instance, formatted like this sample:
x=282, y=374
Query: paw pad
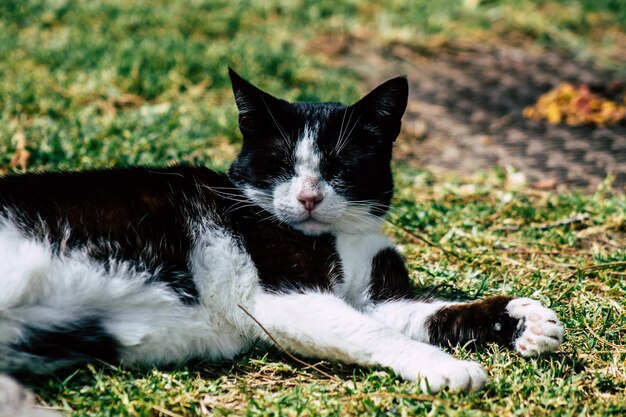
x=541, y=330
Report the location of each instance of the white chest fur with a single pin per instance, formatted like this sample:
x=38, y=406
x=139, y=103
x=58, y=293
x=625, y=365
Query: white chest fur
x=356, y=252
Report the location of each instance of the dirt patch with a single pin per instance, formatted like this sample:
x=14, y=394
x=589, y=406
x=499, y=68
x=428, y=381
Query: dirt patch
x=466, y=104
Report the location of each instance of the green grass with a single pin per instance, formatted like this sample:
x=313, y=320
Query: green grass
x=99, y=83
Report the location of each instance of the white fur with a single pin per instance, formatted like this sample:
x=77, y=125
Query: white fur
x=154, y=327
x=286, y=205
x=356, y=252
x=16, y=401
x=408, y=317
x=47, y=290
x=542, y=332
x=321, y=325
x=307, y=155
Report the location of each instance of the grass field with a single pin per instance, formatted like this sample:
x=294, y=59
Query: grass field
x=100, y=83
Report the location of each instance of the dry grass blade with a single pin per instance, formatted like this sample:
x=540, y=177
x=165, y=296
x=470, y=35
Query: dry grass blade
x=597, y=267
x=273, y=339
x=414, y=235
x=619, y=349
x=22, y=155
x=166, y=411
x=564, y=222
x=418, y=397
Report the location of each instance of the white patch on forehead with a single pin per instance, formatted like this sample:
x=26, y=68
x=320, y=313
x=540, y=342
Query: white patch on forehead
x=307, y=156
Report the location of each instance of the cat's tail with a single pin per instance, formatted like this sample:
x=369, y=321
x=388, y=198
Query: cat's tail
x=16, y=401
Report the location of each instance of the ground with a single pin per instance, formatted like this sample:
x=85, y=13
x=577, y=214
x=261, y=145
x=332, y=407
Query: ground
x=486, y=202
x=467, y=105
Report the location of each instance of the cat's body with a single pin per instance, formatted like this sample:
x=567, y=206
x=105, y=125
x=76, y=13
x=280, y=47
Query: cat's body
x=154, y=266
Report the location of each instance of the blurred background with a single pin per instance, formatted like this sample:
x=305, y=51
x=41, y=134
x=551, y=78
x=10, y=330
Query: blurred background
x=533, y=88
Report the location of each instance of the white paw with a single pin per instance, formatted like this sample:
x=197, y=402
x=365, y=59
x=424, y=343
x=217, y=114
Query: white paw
x=16, y=401
x=541, y=329
x=454, y=374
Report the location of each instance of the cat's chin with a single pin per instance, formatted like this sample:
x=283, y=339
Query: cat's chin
x=312, y=227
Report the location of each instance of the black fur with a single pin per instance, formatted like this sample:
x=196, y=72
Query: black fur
x=144, y=216
x=474, y=324
x=287, y=260
x=390, y=279
x=82, y=340
x=136, y=214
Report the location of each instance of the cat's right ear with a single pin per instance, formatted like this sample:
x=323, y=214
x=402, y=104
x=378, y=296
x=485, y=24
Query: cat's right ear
x=256, y=107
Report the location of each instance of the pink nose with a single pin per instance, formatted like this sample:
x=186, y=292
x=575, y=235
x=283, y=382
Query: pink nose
x=310, y=199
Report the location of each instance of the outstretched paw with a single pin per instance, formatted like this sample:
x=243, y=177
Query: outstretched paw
x=452, y=374
x=540, y=329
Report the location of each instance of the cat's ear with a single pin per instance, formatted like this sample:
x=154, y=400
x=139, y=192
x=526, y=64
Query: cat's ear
x=384, y=106
x=388, y=100
x=256, y=107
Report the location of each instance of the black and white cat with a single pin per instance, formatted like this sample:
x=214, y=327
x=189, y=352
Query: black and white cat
x=155, y=266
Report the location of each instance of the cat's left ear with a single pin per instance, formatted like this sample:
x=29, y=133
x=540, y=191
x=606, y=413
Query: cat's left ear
x=385, y=105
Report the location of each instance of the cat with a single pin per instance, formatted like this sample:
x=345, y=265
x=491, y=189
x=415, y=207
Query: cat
x=153, y=266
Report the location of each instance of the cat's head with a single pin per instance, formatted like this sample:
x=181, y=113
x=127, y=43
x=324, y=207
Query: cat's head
x=319, y=167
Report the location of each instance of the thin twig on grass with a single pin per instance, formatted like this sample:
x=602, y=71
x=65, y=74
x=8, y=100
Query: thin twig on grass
x=579, y=218
x=382, y=394
x=603, y=266
x=607, y=265
x=619, y=348
x=166, y=411
x=300, y=361
x=414, y=235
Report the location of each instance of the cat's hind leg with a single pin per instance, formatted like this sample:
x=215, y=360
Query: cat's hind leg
x=519, y=323
x=321, y=325
x=64, y=309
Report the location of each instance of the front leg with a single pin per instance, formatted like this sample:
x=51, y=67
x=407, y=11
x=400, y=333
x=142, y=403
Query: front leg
x=323, y=326
x=519, y=323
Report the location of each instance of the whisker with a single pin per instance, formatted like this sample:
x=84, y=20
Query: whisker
x=271, y=217
x=348, y=136
x=341, y=128
x=374, y=205
x=235, y=207
x=339, y=145
x=360, y=221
